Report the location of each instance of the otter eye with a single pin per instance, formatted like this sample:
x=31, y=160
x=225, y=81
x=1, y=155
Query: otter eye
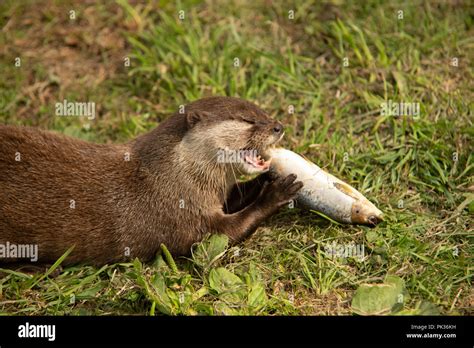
x=248, y=121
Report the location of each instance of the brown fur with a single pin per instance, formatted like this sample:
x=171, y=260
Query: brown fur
x=137, y=204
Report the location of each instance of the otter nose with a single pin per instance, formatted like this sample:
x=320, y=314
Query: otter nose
x=278, y=128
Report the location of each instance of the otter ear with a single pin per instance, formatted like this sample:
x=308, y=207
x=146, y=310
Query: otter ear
x=193, y=117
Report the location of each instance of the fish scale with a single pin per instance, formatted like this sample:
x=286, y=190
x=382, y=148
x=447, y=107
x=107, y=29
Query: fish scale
x=324, y=192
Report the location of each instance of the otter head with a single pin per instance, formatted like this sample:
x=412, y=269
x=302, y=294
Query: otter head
x=231, y=134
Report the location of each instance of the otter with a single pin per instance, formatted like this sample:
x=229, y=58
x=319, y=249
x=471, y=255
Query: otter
x=172, y=185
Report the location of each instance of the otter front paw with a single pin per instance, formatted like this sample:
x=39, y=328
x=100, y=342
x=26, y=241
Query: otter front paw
x=280, y=191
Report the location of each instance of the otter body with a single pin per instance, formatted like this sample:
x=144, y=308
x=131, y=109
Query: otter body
x=118, y=202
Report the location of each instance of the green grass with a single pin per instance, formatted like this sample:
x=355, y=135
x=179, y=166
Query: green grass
x=418, y=170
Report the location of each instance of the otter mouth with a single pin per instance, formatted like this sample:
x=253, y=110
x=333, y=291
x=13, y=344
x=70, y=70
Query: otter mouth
x=256, y=161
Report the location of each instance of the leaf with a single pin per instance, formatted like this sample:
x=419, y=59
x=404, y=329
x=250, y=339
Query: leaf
x=307, y=272
x=91, y=292
x=371, y=236
x=52, y=268
x=378, y=299
x=158, y=294
x=427, y=308
x=160, y=264
x=155, y=291
x=229, y=286
x=423, y=308
x=257, y=297
x=224, y=309
x=200, y=293
x=401, y=82
x=221, y=279
x=217, y=246
x=398, y=282
x=374, y=101
x=210, y=250
x=169, y=259
x=471, y=207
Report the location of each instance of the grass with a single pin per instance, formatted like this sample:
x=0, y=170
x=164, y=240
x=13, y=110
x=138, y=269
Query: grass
x=325, y=74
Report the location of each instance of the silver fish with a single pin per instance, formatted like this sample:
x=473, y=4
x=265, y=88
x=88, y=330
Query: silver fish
x=324, y=192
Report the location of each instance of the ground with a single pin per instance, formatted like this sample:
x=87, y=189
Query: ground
x=322, y=68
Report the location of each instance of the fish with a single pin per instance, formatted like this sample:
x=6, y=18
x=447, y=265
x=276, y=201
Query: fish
x=324, y=192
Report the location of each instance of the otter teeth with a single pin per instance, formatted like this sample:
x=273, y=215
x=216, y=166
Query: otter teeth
x=257, y=162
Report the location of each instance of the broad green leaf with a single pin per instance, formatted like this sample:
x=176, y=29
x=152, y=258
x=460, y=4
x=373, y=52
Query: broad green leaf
x=378, y=299
x=210, y=250
x=224, y=309
x=155, y=291
x=424, y=308
x=257, y=296
x=160, y=264
x=229, y=286
x=158, y=294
